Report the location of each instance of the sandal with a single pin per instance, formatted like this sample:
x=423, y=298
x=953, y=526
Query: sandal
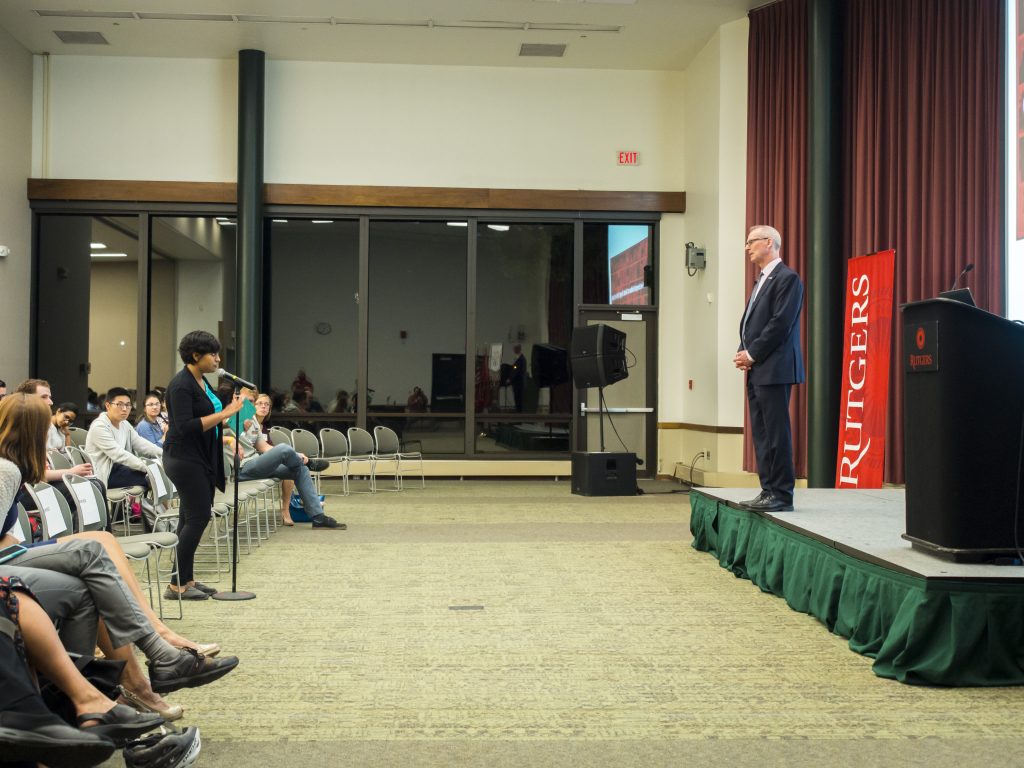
x=119, y=724
x=136, y=702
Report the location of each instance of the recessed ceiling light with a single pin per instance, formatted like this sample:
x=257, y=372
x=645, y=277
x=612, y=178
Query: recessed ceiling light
x=110, y=255
x=97, y=246
x=280, y=221
x=458, y=223
x=323, y=221
x=226, y=222
x=498, y=227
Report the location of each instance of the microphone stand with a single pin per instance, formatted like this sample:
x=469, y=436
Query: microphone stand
x=234, y=594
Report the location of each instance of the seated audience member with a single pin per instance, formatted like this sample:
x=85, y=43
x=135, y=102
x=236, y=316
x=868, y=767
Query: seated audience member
x=115, y=447
x=260, y=460
x=59, y=436
x=97, y=560
x=340, y=403
x=298, y=403
x=41, y=388
x=44, y=736
x=92, y=402
x=152, y=425
x=417, y=402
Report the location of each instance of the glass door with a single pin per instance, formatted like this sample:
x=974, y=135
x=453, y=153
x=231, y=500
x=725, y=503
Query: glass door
x=629, y=415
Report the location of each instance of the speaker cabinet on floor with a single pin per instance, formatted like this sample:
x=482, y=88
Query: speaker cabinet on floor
x=603, y=474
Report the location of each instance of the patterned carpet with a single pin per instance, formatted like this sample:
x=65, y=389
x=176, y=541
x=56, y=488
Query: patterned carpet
x=512, y=623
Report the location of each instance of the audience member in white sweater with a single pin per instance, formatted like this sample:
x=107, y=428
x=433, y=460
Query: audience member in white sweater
x=115, y=447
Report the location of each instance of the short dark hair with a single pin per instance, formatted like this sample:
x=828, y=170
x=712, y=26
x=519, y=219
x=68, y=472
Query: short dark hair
x=197, y=343
x=68, y=408
x=154, y=393
x=118, y=392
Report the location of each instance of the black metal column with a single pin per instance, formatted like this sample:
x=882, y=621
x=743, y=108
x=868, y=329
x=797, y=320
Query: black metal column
x=824, y=238
x=249, y=259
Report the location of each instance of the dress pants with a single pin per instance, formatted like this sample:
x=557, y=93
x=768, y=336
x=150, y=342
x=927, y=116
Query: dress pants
x=773, y=438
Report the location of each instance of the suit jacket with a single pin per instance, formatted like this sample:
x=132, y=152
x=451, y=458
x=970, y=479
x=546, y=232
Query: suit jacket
x=187, y=404
x=772, y=334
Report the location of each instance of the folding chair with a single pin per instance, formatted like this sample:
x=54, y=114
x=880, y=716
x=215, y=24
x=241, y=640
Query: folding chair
x=389, y=444
x=387, y=453
x=78, y=436
x=92, y=516
x=279, y=435
x=305, y=442
x=361, y=448
x=334, y=448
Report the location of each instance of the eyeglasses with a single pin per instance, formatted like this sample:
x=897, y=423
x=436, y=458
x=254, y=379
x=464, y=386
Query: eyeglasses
x=753, y=240
x=125, y=406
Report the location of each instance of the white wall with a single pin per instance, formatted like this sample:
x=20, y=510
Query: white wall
x=15, y=217
x=336, y=123
x=700, y=313
x=121, y=118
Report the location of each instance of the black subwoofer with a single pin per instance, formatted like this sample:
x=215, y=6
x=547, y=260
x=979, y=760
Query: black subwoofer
x=603, y=474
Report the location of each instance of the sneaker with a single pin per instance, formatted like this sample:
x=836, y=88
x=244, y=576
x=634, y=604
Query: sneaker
x=317, y=465
x=190, y=593
x=164, y=750
x=189, y=670
x=323, y=521
x=204, y=588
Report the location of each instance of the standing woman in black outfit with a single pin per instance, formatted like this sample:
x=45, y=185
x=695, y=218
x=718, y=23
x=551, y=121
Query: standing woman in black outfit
x=193, y=454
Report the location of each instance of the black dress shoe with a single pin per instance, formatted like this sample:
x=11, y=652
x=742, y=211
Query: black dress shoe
x=770, y=503
x=189, y=670
x=754, y=500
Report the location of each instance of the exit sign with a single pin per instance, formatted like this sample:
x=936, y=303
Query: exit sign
x=629, y=158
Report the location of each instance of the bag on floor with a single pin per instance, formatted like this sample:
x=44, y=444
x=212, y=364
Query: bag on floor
x=297, y=510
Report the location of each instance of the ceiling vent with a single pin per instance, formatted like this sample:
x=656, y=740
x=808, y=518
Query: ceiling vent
x=87, y=14
x=81, y=38
x=551, y=50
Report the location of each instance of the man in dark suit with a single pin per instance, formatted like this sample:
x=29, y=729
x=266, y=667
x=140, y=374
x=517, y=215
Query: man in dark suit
x=769, y=353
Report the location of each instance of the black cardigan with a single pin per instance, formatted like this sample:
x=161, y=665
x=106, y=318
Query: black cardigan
x=187, y=404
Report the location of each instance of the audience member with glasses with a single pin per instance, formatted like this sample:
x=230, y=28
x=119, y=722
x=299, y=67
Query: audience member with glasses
x=115, y=447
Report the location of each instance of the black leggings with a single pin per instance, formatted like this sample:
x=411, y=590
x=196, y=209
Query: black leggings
x=195, y=489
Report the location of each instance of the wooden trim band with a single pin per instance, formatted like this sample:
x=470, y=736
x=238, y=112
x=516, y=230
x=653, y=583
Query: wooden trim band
x=700, y=428
x=358, y=196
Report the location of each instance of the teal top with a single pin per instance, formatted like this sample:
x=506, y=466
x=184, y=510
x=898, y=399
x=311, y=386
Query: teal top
x=218, y=406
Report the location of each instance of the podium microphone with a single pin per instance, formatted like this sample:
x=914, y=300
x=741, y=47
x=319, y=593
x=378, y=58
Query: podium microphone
x=236, y=379
x=967, y=269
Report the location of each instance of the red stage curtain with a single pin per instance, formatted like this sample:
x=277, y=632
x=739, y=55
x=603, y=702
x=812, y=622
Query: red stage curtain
x=777, y=165
x=922, y=157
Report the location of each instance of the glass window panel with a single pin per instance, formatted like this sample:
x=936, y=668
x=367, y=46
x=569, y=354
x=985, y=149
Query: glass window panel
x=87, y=313
x=524, y=324
x=191, y=287
x=314, y=321
x=614, y=258
x=416, y=350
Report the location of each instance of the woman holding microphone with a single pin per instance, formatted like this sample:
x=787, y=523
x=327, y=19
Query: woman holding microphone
x=193, y=455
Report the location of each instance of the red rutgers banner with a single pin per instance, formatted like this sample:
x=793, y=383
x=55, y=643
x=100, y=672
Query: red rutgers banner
x=867, y=337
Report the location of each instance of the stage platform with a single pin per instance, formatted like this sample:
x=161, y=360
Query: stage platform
x=840, y=557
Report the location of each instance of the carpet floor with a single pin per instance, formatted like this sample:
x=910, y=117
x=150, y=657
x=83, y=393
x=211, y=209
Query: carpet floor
x=512, y=623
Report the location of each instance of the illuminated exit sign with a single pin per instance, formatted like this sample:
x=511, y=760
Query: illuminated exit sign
x=629, y=158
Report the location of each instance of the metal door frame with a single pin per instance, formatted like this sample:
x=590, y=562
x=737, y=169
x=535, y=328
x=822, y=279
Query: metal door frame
x=590, y=312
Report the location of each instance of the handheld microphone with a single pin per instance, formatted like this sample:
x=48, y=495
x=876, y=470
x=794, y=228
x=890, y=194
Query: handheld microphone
x=959, y=277
x=236, y=379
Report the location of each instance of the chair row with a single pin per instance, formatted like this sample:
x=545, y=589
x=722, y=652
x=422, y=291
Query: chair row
x=351, y=451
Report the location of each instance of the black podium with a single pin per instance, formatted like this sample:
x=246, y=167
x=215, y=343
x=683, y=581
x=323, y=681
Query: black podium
x=963, y=374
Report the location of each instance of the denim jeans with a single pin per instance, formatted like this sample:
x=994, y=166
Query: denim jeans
x=284, y=463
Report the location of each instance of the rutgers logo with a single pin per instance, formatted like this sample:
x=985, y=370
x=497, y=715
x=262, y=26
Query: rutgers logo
x=919, y=339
